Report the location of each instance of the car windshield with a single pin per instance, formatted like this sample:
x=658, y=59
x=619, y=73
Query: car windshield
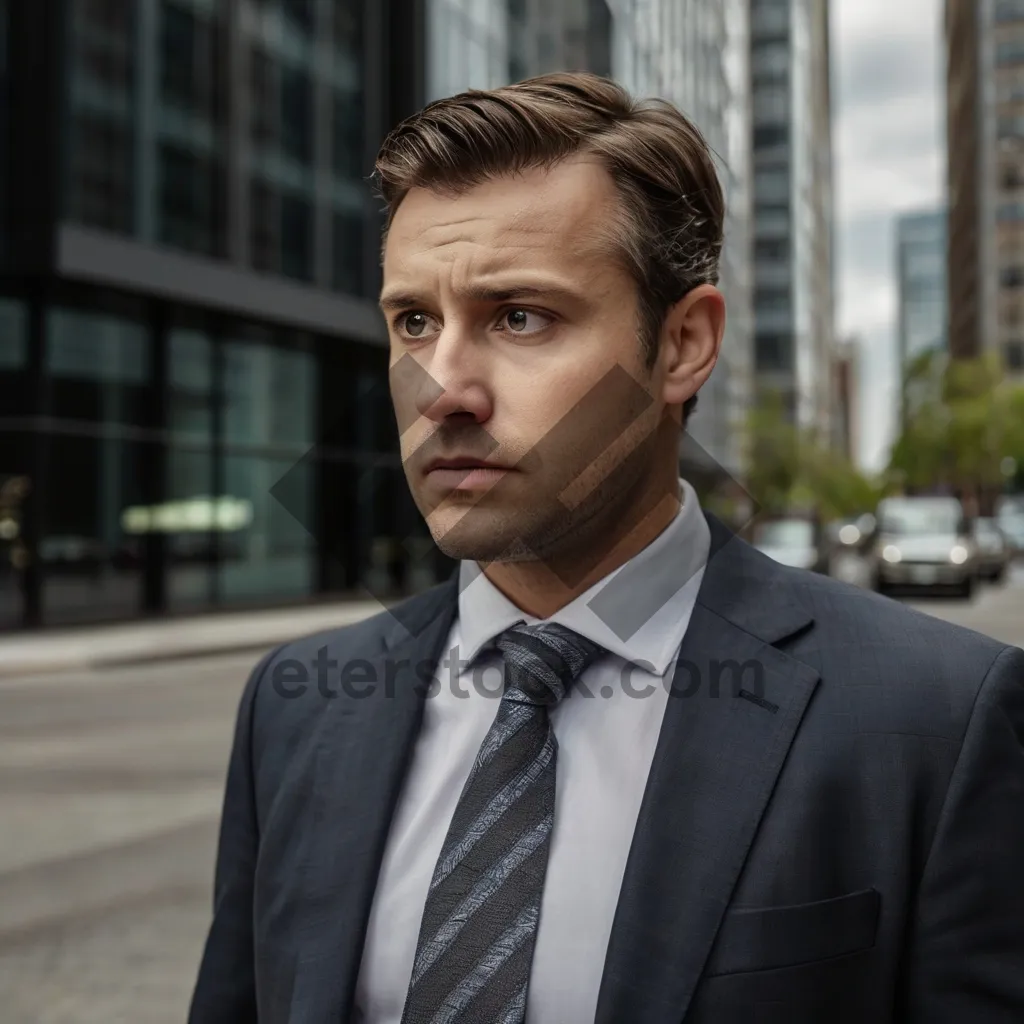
x=914, y=519
x=787, y=533
x=1012, y=524
x=986, y=528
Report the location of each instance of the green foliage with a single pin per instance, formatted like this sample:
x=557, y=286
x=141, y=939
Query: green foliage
x=961, y=419
x=790, y=468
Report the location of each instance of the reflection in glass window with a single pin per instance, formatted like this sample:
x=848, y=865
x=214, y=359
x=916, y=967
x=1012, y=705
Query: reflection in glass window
x=270, y=553
x=188, y=516
x=97, y=347
x=296, y=237
x=269, y=395
x=13, y=341
x=348, y=234
x=101, y=130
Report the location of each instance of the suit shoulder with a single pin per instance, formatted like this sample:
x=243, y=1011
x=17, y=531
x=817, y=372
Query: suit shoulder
x=891, y=667
x=841, y=607
x=286, y=690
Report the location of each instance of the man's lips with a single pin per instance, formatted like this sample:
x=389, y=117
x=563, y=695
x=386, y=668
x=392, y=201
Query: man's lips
x=464, y=464
x=465, y=474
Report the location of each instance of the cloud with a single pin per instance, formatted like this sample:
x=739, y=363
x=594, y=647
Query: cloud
x=888, y=158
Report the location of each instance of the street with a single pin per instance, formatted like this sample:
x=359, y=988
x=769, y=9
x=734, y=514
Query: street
x=110, y=788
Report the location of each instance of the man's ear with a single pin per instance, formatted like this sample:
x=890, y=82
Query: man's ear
x=691, y=338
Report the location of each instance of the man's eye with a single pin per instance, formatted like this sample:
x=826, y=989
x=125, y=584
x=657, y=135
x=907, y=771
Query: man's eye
x=525, y=321
x=415, y=325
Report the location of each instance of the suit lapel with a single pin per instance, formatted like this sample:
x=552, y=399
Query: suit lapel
x=717, y=760
x=355, y=777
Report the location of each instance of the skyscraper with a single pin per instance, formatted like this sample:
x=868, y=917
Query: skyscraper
x=193, y=370
x=921, y=283
x=985, y=139
x=793, y=288
x=695, y=53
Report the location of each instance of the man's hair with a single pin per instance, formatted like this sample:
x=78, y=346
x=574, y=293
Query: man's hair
x=670, y=234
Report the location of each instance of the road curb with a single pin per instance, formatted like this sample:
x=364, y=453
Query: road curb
x=28, y=669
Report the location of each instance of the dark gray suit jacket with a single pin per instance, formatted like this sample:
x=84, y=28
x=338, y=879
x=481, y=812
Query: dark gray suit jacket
x=840, y=843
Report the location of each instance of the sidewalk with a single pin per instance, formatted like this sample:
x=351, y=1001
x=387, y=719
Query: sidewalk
x=132, y=643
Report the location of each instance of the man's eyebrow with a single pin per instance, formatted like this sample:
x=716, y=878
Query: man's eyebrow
x=390, y=301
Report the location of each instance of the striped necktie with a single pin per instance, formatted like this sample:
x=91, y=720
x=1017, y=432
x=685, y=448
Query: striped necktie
x=480, y=919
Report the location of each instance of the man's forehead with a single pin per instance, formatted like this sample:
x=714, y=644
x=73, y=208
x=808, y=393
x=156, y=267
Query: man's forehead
x=540, y=209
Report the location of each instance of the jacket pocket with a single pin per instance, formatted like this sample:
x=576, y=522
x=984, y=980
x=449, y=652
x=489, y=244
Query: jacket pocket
x=767, y=938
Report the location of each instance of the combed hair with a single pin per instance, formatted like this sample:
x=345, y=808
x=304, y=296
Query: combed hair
x=669, y=233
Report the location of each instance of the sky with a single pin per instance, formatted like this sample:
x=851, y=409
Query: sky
x=888, y=140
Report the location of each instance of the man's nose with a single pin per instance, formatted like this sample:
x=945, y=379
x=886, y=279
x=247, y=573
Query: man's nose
x=452, y=380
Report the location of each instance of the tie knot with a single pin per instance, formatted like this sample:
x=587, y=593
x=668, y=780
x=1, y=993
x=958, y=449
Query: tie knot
x=544, y=660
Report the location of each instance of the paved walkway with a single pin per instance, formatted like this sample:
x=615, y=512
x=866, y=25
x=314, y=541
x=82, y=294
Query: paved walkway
x=100, y=646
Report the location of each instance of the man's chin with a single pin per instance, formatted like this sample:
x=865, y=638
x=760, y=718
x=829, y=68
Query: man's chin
x=479, y=536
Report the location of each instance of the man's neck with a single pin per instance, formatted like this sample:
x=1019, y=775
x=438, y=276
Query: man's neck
x=541, y=589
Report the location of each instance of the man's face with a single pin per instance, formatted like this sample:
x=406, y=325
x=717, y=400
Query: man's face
x=514, y=349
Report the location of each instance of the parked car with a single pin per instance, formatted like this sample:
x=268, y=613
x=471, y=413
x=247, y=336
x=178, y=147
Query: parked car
x=1010, y=519
x=792, y=540
x=924, y=543
x=994, y=550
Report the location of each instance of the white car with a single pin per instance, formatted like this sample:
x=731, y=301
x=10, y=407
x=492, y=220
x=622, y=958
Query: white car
x=925, y=544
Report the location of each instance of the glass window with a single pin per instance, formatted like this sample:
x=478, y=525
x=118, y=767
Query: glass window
x=15, y=483
x=91, y=550
x=269, y=395
x=771, y=251
x=99, y=367
x=348, y=260
x=1011, y=176
x=1010, y=52
x=99, y=188
x=263, y=86
x=296, y=114
x=1010, y=128
x=348, y=27
x=772, y=300
x=269, y=422
x=263, y=226
x=1011, y=277
x=1014, y=354
x=296, y=237
x=267, y=549
x=13, y=341
x=1009, y=10
x=189, y=69
x=189, y=515
x=347, y=141
x=773, y=351
x=189, y=201
x=767, y=136
x=1007, y=213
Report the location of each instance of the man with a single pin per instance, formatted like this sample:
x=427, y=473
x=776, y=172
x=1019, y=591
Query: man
x=622, y=768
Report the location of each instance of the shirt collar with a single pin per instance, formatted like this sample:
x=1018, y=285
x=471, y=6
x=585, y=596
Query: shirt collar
x=639, y=611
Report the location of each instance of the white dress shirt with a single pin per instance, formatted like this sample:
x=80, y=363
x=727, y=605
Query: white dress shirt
x=606, y=744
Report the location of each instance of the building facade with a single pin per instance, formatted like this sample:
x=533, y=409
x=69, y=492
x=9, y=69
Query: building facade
x=846, y=367
x=194, y=408
x=985, y=140
x=921, y=284
x=695, y=53
x=193, y=371
x=792, y=206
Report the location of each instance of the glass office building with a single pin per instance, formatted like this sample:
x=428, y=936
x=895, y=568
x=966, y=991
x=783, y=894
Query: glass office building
x=193, y=373
x=194, y=409
x=792, y=195
x=921, y=281
x=695, y=53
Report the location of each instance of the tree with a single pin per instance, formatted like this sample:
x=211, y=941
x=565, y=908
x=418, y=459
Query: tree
x=792, y=468
x=961, y=418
